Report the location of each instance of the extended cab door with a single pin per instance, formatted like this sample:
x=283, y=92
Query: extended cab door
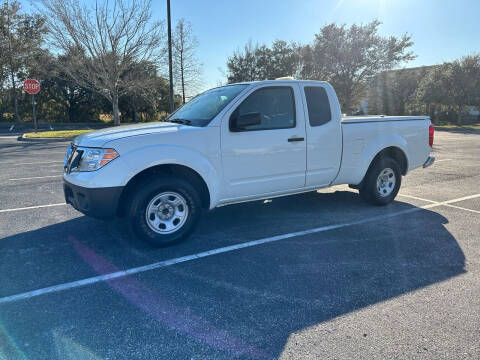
x=324, y=133
x=263, y=142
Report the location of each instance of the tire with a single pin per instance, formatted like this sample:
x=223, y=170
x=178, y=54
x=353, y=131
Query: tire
x=382, y=182
x=174, y=208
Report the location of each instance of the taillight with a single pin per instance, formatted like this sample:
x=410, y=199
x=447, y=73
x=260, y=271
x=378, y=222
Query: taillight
x=431, y=131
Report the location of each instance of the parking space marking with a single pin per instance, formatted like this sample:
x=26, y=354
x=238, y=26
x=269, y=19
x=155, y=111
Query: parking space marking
x=31, y=207
x=418, y=198
x=462, y=208
x=35, y=177
x=444, y=203
x=460, y=199
x=226, y=249
x=30, y=163
x=440, y=160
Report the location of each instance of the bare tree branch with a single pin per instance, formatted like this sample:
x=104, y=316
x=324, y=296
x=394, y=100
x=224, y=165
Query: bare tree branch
x=110, y=44
x=187, y=68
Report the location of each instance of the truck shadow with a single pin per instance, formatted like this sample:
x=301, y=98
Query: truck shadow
x=243, y=304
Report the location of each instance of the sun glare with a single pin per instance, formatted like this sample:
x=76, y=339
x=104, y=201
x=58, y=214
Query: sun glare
x=378, y=8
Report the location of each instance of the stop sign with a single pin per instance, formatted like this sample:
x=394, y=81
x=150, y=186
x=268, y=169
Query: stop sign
x=31, y=86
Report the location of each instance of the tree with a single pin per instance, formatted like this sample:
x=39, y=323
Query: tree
x=242, y=65
x=348, y=57
x=78, y=104
x=21, y=38
x=394, y=92
x=186, y=66
x=261, y=62
x=152, y=102
x=452, y=86
x=106, y=42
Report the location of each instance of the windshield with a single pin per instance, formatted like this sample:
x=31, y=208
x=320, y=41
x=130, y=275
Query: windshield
x=203, y=108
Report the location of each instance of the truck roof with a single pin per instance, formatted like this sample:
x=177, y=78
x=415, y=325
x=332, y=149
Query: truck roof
x=277, y=80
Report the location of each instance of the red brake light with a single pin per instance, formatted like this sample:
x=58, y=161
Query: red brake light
x=431, y=131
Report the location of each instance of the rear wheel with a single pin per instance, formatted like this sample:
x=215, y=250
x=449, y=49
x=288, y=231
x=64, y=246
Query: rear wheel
x=382, y=182
x=164, y=211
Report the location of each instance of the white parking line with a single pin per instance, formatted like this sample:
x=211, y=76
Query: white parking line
x=418, y=198
x=462, y=208
x=440, y=160
x=460, y=199
x=446, y=203
x=31, y=207
x=35, y=177
x=165, y=263
x=30, y=163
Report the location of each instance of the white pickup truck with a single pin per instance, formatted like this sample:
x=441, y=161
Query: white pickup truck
x=236, y=143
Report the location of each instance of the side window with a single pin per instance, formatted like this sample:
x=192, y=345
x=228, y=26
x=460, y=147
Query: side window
x=265, y=109
x=319, y=112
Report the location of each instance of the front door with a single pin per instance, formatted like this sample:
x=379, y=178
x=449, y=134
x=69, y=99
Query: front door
x=268, y=156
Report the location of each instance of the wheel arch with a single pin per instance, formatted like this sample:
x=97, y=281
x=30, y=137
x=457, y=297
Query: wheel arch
x=396, y=154
x=393, y=152
x=182, y=171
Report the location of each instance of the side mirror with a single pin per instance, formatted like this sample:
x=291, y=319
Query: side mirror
x=239, y=123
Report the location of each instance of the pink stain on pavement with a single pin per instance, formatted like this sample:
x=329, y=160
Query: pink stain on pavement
x=162, y=310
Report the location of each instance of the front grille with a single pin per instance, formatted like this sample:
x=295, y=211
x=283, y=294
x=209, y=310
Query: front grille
x=72, y=158
x=75, y=161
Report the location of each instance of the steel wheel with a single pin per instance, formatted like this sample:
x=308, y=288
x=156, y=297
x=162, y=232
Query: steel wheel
x=386, y=182
x=167, y=212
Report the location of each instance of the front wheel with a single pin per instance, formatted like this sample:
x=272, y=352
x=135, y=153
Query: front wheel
x=164, y=210
x=382, y=182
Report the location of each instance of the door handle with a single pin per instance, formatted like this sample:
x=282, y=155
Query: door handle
x=292, y=139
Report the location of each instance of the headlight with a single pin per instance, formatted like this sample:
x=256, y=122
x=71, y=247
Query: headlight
x=90, y=159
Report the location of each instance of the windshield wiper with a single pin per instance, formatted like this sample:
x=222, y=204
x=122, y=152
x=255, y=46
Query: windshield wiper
x=181, y=121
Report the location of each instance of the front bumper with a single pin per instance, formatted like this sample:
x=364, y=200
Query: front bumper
x=429, y=161
x=100, y=203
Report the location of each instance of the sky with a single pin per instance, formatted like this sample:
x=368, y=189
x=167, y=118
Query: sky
x=442, y=30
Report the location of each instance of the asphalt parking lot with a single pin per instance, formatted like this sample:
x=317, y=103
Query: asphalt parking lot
x=314, y=276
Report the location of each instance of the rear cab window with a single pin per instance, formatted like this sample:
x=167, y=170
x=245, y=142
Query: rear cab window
x=318, y=105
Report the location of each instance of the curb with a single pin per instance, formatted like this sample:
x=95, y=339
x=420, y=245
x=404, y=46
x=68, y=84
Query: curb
x=43, y=140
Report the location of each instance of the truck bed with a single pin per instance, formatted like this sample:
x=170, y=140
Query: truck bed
x=362, y=136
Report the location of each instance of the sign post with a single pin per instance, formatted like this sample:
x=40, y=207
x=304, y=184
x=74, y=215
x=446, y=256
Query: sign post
x=32, y=86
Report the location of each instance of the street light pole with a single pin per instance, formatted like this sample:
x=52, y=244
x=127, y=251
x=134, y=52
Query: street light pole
x=170, y=70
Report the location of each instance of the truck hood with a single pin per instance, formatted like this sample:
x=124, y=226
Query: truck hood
x=99, y=138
